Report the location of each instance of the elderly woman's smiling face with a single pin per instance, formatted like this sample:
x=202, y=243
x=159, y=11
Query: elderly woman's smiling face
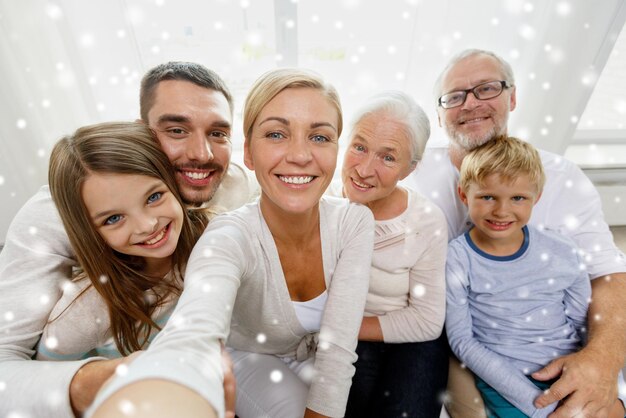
x=378, y=156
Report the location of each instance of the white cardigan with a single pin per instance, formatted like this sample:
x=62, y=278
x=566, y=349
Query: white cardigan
x=235, y=270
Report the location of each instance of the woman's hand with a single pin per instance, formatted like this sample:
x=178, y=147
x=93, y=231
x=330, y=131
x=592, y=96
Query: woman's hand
x=230, y=385
x=89, y=379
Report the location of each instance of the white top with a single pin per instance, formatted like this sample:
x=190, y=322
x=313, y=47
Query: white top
x=35, y=263
x=235, y=270
x=569, y=205
x=407, y=280
x=310, y=312
x=79, y=324
x=407, y=288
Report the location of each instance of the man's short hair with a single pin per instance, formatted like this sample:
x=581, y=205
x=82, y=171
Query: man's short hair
x=505, y=68
x=506, y=156
x=177, y=70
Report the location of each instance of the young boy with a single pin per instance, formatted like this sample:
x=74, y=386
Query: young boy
x=517, y=296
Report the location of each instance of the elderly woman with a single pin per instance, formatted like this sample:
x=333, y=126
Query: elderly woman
x=402, y=365
x=287, y=274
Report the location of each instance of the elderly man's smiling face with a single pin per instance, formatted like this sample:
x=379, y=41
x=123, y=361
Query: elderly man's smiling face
x=475, y=121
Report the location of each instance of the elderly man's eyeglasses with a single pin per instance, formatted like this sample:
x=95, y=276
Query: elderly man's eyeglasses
x=484, y=91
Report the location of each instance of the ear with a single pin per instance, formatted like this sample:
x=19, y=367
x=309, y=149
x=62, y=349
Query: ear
x=538, y=197
x=513, y=99
x=462, y=195
x=439, y=118
x=247, y=156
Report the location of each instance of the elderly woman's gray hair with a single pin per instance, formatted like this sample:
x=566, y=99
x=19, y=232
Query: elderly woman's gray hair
x=404, y=109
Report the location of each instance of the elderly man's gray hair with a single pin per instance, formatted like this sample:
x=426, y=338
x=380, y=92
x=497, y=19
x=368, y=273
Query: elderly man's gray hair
x=505, y=68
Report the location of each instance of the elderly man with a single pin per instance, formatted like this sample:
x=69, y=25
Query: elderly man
x=190, y=109
x=476, y=92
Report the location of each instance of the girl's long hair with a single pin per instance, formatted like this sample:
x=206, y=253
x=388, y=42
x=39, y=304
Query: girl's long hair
x=120, y=148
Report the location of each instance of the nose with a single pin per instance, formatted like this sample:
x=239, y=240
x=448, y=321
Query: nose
x=146, y=224
x=471, y=102
x=501, y=208
x=299, y=151
x=366, y=168
x=198, y=148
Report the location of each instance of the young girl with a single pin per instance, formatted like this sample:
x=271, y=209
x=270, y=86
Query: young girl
x=117, y=197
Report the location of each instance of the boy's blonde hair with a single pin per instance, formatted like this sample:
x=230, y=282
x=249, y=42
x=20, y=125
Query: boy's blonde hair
x=506, y=156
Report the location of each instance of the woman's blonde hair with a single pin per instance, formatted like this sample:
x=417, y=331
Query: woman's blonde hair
x=121, y=148
x=273, y=82
x=506, y=156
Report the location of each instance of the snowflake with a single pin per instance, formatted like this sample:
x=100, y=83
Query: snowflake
x=563, y=8
x=121, y=370
x=419, y=290
x=127, y=407
x=54, y=11
x=261, y=338
x=52, y=343
x=276, y=376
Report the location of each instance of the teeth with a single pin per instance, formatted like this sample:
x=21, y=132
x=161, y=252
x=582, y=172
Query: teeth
x=297, y=179
x=500, y=223
x=473, y=120
x=195, y=175
x=156, y=239
x=365, y=186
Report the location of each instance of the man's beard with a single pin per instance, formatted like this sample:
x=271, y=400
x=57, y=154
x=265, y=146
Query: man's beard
x=200, y=195
x=470, y=141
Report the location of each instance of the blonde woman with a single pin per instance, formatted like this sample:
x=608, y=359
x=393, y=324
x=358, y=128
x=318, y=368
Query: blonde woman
x=288, y=274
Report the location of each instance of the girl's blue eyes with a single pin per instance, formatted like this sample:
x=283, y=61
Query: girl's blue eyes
x=154, y=197
x=112, y=219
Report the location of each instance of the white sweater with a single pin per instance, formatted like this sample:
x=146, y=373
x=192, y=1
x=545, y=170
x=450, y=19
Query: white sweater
x=407, y=282
x=80, y=327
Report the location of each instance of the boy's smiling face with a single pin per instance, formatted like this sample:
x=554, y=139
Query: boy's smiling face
x=499, y=208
